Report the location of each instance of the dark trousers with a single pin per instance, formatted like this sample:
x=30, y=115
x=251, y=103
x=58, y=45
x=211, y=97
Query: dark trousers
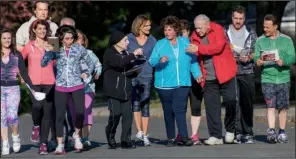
x=117, y=109
x=174, y=105
x=42, y=110
x=61, y=102
x=196, y=95
x=212, y=93
x=68, y=122
x=245, y=95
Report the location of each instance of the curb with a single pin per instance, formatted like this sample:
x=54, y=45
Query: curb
x=259, y=113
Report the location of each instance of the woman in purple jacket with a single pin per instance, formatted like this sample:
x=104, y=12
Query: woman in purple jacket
x=12, y=65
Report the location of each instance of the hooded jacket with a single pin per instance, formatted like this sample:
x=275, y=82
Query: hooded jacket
x=116, y=83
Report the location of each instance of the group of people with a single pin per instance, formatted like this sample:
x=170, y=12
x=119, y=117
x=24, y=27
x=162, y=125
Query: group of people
x=204, y=64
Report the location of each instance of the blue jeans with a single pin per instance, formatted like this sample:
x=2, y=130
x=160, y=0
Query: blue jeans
x=141, y=95
x=174, y=105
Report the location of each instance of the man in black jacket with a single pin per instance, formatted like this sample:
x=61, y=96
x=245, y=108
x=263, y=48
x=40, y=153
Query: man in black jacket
x=242, y=40
x=118, y=87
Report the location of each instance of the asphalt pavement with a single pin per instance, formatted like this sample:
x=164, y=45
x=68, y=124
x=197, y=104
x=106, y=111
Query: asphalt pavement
x=261, y=149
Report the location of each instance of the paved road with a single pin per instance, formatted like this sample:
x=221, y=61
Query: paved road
x=99, y=150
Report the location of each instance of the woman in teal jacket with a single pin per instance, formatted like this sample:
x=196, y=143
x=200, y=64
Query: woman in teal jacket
x=172, y=79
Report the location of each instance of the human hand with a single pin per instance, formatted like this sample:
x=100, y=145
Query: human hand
x=83, y=76
x=199, y=79
x=259, y=62
x=244, y=59
x=48, y=47
x=97, y=77
x=280, y=62
x=192, y=48
x=138, y=52
x=164, y=59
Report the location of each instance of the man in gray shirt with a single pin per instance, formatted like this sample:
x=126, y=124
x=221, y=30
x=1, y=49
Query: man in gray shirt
x=242, y=40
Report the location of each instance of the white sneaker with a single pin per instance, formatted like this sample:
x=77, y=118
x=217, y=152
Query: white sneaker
x=213, y=141
x=146, y=141
x=77, y=142
x=140, y=136
x=60, y=149
x=5, y=148
x=16, y=143
x=229, y=137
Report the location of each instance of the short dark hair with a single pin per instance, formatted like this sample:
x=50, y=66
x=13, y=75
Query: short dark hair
x=184, y=24
x=172, y=21
x=239, y=9
x=32, y=35
x=35, y=4
x=62, y=30
x=271, y=17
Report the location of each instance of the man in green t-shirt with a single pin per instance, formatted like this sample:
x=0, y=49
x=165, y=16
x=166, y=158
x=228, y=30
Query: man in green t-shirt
x=275, y=53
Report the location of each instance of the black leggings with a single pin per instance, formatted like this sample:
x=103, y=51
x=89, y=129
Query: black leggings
x=42, y=110
x=196, y=95
x=61, y=102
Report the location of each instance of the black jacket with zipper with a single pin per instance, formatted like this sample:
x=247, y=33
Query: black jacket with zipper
x=116, y=84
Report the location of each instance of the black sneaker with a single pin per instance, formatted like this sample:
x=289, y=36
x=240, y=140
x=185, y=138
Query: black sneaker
x=248, y=139
x=128, y=145
x=185, y=142
x=238, y=139
x=271, y=136
x=171, y=143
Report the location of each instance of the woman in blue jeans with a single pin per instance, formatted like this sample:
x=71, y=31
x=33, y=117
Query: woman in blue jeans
x=172, y=78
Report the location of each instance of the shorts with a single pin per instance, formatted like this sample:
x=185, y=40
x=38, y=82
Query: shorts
x=277, y=95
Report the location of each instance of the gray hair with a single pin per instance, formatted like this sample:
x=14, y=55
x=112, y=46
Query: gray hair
x=67, y=19
x=202, y=17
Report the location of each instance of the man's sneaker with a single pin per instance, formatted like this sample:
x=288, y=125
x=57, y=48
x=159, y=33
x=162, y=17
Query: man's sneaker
x=146, y=141
x=16, y=143
x=43, y=149
x=229, y=137
x=77, y=142
x=213, y=141
x=282, y=138
x=60, y=150
x=271, y=136
x=52, y=145
x=171, y=143
x=195, y=139
x=86, y=143
x=248, y=139
x=5, y=148
x=238, y=139
x=35, y=134
x=140, y=136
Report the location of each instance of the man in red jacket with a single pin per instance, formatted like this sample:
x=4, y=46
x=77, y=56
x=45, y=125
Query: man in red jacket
x=219, y=68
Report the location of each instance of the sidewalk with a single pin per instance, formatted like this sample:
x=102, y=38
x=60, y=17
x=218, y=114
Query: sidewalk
x=259, y=113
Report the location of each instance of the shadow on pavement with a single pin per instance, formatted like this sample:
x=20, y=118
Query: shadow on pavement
x=261, y=138
x=27, y=147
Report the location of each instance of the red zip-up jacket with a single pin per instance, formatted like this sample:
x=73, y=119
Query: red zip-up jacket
x=219, y=48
